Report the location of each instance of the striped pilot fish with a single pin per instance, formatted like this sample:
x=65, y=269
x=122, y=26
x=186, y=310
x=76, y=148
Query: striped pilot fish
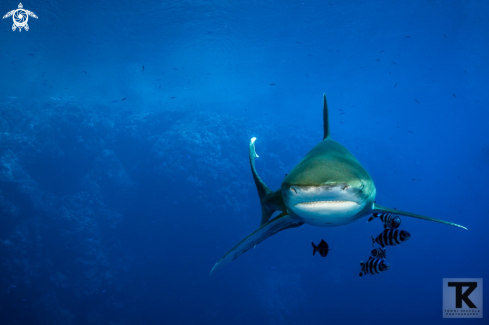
x=379, y=252
x=389, y=220
x=391, y=237
x=374, y=266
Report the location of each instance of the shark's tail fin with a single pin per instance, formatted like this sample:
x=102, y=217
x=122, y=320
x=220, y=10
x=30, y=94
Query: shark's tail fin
x=378, y=208
x=270, y=201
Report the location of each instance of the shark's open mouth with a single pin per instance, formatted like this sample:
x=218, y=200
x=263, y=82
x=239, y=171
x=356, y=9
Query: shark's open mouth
x=335, y=208
x=325, y=202
x=329, y=205
x=326, y=205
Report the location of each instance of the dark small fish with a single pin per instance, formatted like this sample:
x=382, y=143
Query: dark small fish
x=454, y=95
x=416, y=101
x=113, y=101
x=379, y=252
x=272, y=84
x=411, y=132
x=159, y=87
x=30, y=54
x=322, y=248
x=12, y=62
x=124, y=98
x=310, y=55
x=299, y=42
x=391, y=237
x=408, y=36
x=377, y=59
x=143, y=67
x=395, y=85
x=342, y=113
x=374, y=266
x=381, y=51
x=173, y=97
x=393, y=62
x=445, y=35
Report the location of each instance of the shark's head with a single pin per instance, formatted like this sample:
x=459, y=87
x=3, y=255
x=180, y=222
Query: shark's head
x=328, y=187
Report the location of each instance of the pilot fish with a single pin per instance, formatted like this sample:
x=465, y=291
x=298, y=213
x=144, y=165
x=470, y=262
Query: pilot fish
x=379, y=252
x=391, y=237
x=389, y=220
x=374, y=266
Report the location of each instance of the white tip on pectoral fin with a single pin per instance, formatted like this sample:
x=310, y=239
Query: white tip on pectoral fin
x=252, y=147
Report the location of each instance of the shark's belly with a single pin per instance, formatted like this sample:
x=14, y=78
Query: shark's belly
x=327, y=213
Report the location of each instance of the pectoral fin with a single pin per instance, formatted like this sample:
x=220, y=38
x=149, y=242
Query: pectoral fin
x=269, y=201
x=281, y=222
x=379, y=208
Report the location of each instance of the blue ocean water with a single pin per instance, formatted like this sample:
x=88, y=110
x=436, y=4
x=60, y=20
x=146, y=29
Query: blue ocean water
x=124, y=172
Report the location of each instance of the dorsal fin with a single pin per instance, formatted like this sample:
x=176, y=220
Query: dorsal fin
x=325, y=118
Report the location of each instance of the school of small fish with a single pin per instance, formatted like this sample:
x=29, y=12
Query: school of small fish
x=390, y=236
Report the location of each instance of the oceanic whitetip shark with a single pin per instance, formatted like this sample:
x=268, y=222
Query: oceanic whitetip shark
x=328, y=188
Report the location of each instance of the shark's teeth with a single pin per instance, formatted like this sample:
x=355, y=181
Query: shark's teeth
x=327, y=212
x=327, y=207
x=326, y=202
